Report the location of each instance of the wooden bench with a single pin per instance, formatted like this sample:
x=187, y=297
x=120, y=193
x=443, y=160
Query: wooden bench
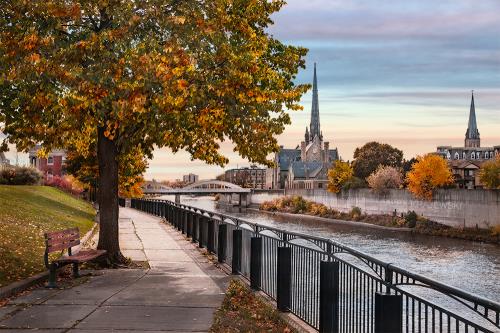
x=61, y=241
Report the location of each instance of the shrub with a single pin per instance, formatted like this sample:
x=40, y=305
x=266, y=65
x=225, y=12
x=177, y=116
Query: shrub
x=20, y=176
x=385, y=178
x=355, y=212
x=353, y=184
x=411, y=219
x=67, y=184
x=490, y=173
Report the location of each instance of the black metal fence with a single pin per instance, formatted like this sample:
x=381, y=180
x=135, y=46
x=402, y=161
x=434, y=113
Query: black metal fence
x=330, y=286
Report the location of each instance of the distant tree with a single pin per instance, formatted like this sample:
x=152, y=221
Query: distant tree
x=385, y=178
x=221, y=177
x=427, y=174
x=185, y=75
x=407, y=164
x=368, y=158
x=338, y=175
x=354, y=183
x=489, y=174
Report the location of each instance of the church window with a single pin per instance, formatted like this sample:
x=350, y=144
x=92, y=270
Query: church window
x=464, y=155
x=457, y=156
x=473, y=156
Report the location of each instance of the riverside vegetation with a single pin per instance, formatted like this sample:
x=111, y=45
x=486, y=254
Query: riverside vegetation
x=242, y=311
x=26, y=212
x=418, y=224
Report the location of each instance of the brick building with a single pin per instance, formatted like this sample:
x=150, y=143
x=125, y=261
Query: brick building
x=51, y=166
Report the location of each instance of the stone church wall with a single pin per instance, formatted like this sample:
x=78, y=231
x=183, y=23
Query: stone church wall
x=454, y=207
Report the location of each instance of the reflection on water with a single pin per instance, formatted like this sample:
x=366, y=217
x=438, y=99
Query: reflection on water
x=471, y=266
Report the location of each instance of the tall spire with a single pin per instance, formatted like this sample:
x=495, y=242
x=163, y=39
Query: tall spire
x=472, y=134
x=314, y=126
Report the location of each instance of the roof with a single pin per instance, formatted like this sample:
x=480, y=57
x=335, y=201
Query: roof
x=306, y=170
x=286, y=157
x=472, y=131
x=462, y=164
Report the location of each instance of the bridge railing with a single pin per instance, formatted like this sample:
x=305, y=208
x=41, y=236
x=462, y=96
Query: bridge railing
x=332, y=287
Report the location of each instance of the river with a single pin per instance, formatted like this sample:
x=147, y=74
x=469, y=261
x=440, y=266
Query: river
x=470, y=266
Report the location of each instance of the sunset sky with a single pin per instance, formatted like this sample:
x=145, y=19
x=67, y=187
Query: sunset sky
x=399, y=72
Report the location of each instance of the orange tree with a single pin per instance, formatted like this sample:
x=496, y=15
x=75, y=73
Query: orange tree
x=490, y=173
x=338, y=175
x=428, y=173
x=142, y=74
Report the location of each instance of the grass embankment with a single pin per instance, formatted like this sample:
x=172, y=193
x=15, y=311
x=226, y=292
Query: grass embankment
x=242, y=311
x=26, y=212
x=418, y=224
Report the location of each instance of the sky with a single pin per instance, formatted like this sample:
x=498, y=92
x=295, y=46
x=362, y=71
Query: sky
x=398, y=72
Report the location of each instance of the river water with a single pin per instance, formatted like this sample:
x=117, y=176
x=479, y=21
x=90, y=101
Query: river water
x=470, y=266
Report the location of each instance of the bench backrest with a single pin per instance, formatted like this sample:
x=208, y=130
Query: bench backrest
x=61, y=240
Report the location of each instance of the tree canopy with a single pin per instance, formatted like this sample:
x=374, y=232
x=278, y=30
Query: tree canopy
x=338, y=175
x=427, y=174
x=373, y=154
x=489, y=174
x=139, y=75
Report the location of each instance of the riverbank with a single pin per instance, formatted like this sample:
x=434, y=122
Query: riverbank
x=425, y=228
x=26, y=212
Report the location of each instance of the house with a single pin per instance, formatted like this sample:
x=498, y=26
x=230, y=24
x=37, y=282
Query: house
x=50, y=166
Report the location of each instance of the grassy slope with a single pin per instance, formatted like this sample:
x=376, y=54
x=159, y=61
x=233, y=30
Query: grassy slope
x=26, y=212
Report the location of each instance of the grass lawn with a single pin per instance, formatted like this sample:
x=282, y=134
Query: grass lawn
x=26, y=212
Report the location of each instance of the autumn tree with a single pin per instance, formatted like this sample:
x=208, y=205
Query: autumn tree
x=142, y=75
x=385, y=178
x=427, y=174
x=489, y=174
x=373, y=154
x=338, y=175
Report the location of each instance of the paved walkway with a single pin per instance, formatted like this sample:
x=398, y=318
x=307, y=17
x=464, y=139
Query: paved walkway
x=179, y=293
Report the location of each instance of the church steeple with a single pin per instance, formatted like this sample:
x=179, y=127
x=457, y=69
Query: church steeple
x=314, y=126
x=307, y=136
x=472, y=135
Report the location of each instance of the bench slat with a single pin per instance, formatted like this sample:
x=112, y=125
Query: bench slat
x=65, y=239
x=58, y=234
x=82, y=256
x=62, y=246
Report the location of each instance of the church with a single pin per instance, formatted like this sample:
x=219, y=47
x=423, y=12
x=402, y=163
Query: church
x=306, y=166
x=466, y=161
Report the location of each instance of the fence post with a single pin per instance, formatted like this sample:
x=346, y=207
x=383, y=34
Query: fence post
x=221, y=242
x=388, y=313
x=184, y=221
x=237, y=243
x=255, y=262
x=211, y=236
x=196, y=218
x=284, y=278
x=329, y=297
x=179, y=218
x=189, y=224
x=201, y=221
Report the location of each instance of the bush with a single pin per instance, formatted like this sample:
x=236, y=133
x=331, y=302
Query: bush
x=411, y=219
x=385, y=178
x=67, y=184
x=20, y=176
x=355, y=212
x=353, y=184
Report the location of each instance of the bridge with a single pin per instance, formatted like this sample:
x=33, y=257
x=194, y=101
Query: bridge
x=203, y=187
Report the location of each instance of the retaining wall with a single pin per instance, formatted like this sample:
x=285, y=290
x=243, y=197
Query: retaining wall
x=454, y=207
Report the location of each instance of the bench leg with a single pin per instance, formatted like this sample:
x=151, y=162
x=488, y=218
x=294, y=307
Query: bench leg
x=76, y=272
x=52, y=277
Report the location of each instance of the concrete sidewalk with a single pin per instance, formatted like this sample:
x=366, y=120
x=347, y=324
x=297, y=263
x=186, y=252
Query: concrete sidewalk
x=180, y=292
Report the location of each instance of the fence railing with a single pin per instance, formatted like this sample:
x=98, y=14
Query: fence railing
x=332, y=287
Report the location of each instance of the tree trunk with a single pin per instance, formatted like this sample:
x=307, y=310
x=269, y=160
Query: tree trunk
x=107, y=156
